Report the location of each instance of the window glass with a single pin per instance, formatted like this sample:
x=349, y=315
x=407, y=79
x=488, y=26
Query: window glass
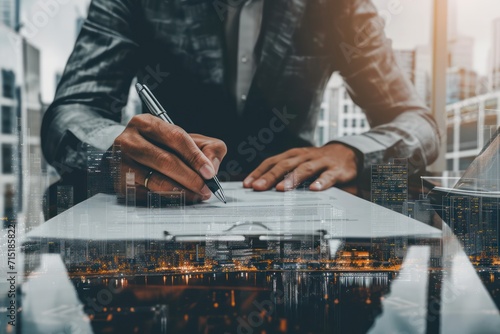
x=8, y=84
x=473, y=73
x=7, y=159
x=7, y=120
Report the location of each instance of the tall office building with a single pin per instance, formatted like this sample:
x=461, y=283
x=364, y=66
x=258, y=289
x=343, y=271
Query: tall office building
x=475, y=222
x=102, y=171
x=423, y=71
x=11, y=74
x=416, y=65
x=495, y=57
x=406, y=61
x=9, y=11
x=389, y=184
x=452, y=19
x=339, y=116
x=34, y=183
x=470, y=124
x=461, y=84
x=21, y=184
x=460, y=48
x=460, y=52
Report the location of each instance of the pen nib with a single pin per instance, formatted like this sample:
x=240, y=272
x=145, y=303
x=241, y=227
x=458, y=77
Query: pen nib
x=220, y=196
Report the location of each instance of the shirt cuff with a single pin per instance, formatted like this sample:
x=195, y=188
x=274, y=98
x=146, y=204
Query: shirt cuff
x=368, y=150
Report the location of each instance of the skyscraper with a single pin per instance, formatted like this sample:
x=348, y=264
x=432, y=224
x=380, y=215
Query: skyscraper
x=452, y=19
x=460, y=52
x=389, y=184
x=9, y=13
x=406, y=61
x=495, y=57
x=423, y=70
x=11, y=76
x=461, y=84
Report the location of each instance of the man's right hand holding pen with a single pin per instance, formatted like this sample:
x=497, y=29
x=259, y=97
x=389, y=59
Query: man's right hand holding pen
x=164, y=157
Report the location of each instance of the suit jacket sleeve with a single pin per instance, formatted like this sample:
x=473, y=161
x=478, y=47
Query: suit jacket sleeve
x=94, y=87
x=401, y=124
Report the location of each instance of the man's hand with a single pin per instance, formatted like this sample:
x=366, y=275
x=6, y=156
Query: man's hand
x=179, y=161
x=331, y=164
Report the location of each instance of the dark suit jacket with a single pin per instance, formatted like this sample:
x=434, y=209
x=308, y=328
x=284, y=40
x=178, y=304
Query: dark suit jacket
x=177, y=47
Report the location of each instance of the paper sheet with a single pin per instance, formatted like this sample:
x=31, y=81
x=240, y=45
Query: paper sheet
x=301, y=212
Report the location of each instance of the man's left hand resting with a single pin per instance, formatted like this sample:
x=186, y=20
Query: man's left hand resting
x=331, y=164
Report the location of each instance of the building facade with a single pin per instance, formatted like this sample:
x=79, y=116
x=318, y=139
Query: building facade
x=495, y=57
x=21, y=182
x=11, y=69
x=470, y=124
x=9, y=13
x=339, y=116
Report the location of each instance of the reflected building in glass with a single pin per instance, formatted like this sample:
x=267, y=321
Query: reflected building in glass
x=389, y=184
x=475, y=222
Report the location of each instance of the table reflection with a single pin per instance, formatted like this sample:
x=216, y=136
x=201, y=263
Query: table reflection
x=306, y=284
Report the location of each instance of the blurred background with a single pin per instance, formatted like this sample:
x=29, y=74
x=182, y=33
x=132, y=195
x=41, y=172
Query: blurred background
x=459, y=80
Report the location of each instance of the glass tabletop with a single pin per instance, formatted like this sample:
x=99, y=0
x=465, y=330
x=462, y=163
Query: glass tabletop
x=309, y=283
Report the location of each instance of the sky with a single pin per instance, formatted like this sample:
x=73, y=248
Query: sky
x=408, y=24
x=413, y=25
x=55, y=38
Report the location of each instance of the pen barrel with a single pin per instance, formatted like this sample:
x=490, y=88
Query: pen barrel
x=212, y=184
x=165, y=117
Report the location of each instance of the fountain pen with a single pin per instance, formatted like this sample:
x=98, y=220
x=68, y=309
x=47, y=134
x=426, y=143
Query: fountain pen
x=157, y=110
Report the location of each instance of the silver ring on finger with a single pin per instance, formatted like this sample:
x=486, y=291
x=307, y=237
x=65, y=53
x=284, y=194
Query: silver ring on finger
x=146, y=180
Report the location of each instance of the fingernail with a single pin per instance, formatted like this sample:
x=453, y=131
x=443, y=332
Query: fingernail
x=207, y=172
x=316, y=185
x=260, y=183
x=216, y=163
x=205, y=192
x=248, y=181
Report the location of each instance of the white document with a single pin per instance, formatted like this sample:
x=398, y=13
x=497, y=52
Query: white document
x=332, y=213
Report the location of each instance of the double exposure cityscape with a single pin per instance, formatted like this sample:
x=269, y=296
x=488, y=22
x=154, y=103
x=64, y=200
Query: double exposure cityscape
x=356, y=145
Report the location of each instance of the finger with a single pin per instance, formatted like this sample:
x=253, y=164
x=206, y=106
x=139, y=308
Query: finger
x=214, y=149
x=301, y=174
x=264, y=167
x=269, y=163
x=277, y=173
x=152, y=157
x=159, y=183
x=176, y=139
x=326, y=180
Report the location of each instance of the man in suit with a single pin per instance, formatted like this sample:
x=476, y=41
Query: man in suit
x=250, y=73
